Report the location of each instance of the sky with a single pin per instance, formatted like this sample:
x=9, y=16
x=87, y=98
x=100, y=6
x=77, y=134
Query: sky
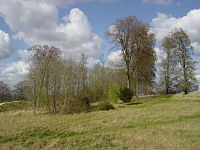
x=79, y=26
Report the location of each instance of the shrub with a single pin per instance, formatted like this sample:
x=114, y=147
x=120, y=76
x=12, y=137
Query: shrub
x=105, y=106
x=113, y=93
x=125, y=94
x=78, y=105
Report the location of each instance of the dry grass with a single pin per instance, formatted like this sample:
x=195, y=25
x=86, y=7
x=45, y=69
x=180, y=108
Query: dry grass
x=169, y=123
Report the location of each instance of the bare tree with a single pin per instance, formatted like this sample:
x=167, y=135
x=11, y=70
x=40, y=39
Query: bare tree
x=39, y=73
x=83, y=71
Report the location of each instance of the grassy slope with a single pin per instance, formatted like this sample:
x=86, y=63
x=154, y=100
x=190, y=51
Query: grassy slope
x=171, y=123
x=14, y=106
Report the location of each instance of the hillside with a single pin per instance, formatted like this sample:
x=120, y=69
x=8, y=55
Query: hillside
x=169, y=123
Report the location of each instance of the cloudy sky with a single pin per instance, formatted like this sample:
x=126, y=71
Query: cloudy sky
x=79, y=26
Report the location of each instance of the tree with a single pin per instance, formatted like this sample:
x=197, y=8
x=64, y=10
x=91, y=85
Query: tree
x=125, y=94
x=168, y=65
x=69, y=81
x=183, y=52
x=83, y=71
x=99, y=82
x=5, y=92
x=121, y=38
x=42, y=67
x=56, y=82
x=20, y=90
x=136, y=41
x=143, y=62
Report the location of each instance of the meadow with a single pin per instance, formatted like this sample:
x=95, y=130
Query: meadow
x=165, y=123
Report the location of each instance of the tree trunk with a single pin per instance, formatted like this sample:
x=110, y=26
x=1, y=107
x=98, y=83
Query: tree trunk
x=129, y=81
x=137, y=88
x=34, y=106
x=54, y=98
x=47, y=96
x=167, y=77
x=128, y=75
x=185, y=74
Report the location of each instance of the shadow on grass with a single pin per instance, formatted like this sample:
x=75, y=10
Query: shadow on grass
x=146, y=101
x=134, y=103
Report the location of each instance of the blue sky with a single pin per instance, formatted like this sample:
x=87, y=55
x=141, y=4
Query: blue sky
x=28, y=22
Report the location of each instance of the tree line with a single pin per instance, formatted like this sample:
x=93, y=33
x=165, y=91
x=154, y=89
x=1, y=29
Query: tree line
x=16, y=93
x=59, y=83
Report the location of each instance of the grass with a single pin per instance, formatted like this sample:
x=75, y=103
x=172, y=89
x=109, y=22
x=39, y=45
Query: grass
x=167, y=123
x=15, y=106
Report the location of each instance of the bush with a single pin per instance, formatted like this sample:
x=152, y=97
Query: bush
x=125, y=94
x=112, y=94
x=105, y=106
x=78, y=105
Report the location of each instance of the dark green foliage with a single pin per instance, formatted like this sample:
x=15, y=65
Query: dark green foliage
x=105, y=106
x=125, y=94
x=81, y=104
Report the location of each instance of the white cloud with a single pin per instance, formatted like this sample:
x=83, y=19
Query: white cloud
x=6, y=48
x=158, y=2
x=70, y=2
x=14, y=72
x=159, y=55
x=78, y=36
x=92, y=61
x=111, y=28
x=35, y=22
x=26, y=15
x=163, y=24
x=24, y=55
x=115, y=56
x=115, y=59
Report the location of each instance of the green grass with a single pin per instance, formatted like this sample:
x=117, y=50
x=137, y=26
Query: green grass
x=15, y=106
x=167, y=123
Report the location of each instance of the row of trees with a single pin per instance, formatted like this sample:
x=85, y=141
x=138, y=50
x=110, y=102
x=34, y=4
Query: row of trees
x=62, y=84
x=137, y=43
x=58, y=83
x=8, y=94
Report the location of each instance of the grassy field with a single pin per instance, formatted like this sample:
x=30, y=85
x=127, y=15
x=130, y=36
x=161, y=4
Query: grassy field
x=15, y=106
x=169, y=123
